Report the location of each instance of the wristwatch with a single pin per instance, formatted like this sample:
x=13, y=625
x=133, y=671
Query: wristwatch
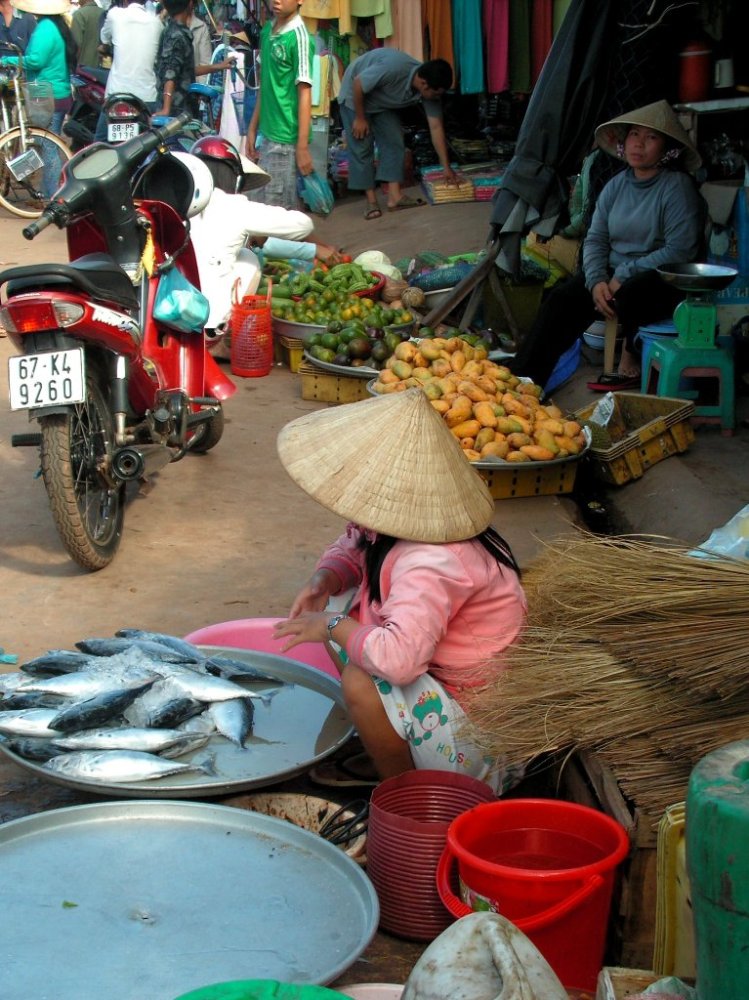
x=332, y=624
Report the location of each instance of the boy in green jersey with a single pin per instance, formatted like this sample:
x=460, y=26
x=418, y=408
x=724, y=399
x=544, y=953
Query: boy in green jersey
x=282, y=115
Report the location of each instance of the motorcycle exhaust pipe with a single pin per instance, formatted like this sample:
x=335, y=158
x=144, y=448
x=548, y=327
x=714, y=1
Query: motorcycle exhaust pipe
x=140, y=461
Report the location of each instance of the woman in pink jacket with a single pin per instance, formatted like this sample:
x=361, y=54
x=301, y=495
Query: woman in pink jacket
x=437, y=595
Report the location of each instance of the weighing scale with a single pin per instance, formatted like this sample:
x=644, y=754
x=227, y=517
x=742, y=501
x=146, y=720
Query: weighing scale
x=696, y=318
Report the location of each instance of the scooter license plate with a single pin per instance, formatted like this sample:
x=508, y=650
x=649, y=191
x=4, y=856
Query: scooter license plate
x=25, y=164
x=55, y=378
x=120, y=131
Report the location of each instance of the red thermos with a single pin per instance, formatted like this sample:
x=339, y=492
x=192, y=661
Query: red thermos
x=695, y=72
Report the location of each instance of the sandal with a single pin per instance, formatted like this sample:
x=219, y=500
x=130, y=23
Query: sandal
x=373, y=213
x=614, y=382
x=406, y=202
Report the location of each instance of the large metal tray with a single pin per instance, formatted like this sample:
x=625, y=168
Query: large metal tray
x=147, y=900
x=499, y=464
x=327, y=366
x=304, y=723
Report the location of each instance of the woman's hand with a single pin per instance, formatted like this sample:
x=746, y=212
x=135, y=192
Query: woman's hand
x=315, y=593
x=307, y=627
x=603, y=296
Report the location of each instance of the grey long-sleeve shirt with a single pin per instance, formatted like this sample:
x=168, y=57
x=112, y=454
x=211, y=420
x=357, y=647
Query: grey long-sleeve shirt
x=639, y=225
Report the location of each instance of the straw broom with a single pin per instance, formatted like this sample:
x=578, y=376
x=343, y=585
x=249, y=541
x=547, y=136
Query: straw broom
x=633, y=650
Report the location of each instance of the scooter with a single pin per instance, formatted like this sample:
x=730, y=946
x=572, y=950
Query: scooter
x=117, y=394
x=88, y=83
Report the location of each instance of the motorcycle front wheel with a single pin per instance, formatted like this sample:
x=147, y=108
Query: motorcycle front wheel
x=76, y=451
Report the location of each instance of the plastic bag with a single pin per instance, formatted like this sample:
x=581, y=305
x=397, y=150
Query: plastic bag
x=179, y=304
x=732, y=539
x=316, y=193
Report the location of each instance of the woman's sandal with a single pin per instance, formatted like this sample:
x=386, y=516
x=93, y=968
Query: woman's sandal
x=406, y=202
x=614, y=383
x=372, y=213
x=353, y=771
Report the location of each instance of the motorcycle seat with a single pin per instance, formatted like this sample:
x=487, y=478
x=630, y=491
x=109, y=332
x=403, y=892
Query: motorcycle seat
x=93, y=73
x=97, y=274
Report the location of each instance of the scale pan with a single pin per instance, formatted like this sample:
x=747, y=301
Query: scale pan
x=697, y=277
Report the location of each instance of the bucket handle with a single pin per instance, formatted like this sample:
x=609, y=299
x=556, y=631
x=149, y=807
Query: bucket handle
x=235, y=299
x=526, y=924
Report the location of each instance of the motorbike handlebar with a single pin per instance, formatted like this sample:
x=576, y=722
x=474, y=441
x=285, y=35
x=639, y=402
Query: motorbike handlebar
x=34, y=228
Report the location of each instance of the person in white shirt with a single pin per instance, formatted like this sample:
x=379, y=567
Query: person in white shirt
x=220, y=233
x=133, y=34
x=201, y=44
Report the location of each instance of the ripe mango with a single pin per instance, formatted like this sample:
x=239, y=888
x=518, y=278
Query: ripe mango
x=468, y=428
x=402, y=369
x=484, y=436
x=517, y=456
x=545, y=439
x=536, y=453
x=518, y=441
x=495, y=449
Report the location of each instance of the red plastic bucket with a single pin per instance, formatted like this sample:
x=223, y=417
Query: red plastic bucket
x=409, y=818
x=251, y=336
x=546, y=865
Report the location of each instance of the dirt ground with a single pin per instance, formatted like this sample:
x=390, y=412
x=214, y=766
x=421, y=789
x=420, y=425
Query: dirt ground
x=228, y=535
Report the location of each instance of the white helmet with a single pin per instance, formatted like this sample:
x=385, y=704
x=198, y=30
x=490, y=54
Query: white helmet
x=202, y=182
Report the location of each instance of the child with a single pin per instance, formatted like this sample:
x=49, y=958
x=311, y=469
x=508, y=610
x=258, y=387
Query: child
x=438, y=596
x=282, y=114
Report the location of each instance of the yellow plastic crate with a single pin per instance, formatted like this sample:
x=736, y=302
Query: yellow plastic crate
x=289, y=351
x=515, y=481
x=643, y=431
x=329, y=388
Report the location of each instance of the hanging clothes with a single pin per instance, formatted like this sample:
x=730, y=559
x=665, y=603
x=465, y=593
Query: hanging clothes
x=367, y=8
x=497, y=30
x=408, y=32
x=437, y=18
x=560, y=10
x=468, y=45
x=327, y=9
x=383, y=23
x=520, y=51
x=542, y=35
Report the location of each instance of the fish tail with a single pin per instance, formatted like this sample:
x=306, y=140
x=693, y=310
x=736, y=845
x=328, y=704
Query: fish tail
x=208, y=765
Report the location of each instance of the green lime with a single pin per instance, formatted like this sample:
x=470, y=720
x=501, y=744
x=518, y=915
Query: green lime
x=329, y=340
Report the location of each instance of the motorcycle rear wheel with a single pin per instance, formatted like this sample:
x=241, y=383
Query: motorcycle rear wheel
x=88, y=511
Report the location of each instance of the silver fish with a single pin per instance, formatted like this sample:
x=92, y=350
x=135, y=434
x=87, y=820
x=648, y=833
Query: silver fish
x=119, y=644
x=12, y=681
x=122, y=765
x=56, y=661
x=162, y=706
x=125, y=738
x=28, y=722
x=33, y=749
x=30, y=699
x=203, y=723
x=206, y=688
x=233, y=719
x=188, y=744
x=101, y=708
x=88, y=683
x=187, y=649
x=228, y=667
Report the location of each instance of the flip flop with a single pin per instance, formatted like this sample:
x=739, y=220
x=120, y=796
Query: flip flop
x=406, y=202
x=614, y=383
x=345, y=772
x=372, y=213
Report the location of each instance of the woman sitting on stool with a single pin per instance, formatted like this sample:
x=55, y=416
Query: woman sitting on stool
x=649, y=214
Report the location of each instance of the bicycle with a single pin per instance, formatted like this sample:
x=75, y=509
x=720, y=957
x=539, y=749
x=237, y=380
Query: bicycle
x=24, y=147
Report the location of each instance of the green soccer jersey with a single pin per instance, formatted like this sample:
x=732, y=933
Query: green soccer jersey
x=285, y=61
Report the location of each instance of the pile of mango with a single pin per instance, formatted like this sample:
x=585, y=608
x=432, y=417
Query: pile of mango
x=492, y=413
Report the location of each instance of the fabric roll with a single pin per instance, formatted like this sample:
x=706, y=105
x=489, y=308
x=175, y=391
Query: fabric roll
x=541, y=35
x=497, y=31
x=437, y=18
x=520, y=51
x=408, y=30
x=468, y=45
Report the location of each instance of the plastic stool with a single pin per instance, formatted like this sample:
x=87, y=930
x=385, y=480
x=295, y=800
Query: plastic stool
x=669, y=362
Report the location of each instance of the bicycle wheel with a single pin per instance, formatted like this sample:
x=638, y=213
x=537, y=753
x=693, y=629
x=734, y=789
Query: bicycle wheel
x=21, y=188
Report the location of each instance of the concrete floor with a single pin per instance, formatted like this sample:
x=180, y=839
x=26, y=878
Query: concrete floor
x=227, y=535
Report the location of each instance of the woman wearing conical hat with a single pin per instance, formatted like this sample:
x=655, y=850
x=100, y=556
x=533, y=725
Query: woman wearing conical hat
x=437, y=591
x=647, y=215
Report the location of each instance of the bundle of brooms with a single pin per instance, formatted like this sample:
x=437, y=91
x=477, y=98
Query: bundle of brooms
x=634, y=649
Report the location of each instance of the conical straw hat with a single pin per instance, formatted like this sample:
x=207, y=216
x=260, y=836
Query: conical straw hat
x=659, y=116
x=389, y=464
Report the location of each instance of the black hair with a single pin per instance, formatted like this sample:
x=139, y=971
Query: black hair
x=375, y=552
x=437, y=74
x=175, y=6
x=224, y=175
x=71, y=49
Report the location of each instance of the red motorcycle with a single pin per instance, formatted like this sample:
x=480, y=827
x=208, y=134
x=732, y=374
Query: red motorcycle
x=117, y=393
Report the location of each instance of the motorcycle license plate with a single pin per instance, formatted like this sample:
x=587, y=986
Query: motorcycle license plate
x=25, y=164
x=51, y=379
x=120, y=131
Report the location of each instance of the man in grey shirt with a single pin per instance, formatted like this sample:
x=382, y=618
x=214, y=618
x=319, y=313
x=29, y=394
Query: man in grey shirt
x=374, y=88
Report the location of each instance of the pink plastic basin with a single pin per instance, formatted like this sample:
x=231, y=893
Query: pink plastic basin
x=257, y=634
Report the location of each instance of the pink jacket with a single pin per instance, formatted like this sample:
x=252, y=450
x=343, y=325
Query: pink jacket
x=448, y=609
